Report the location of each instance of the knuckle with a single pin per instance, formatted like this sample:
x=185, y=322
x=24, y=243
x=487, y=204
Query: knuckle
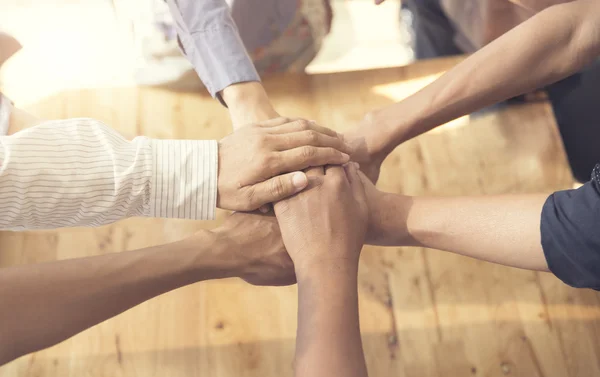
x=277, y=187
x=267, y=161
x=308, y=152
x=312, y=136
x=262, y=141
x=272, y=162
x=249, y=198
x=284, y=120
x=303, y=124
x=258, y=143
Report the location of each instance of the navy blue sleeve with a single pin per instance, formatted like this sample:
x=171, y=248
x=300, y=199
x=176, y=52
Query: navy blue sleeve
x=570, y=231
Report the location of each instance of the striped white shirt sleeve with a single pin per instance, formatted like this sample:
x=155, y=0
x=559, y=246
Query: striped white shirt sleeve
x=79, y=172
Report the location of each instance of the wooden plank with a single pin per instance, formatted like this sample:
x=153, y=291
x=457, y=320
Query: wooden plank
x=423, y=312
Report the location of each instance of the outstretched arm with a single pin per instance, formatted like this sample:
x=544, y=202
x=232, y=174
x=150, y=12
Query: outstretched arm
x=499, y=229
x=552, y=45
x=323, y=229
x=556, y=232
x=210, y=40
x=47, y=303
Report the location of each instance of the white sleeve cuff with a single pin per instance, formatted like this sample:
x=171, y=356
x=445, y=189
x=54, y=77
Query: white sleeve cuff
x=184, y=184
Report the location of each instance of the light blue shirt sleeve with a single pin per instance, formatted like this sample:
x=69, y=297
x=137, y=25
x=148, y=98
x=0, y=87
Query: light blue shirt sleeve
x=210, y=40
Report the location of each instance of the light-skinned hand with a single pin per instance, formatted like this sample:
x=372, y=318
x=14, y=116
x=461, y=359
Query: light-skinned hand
x=263, y=162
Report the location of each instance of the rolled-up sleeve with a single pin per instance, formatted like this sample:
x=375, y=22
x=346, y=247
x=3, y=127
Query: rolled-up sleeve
x=210, y=39
x=570, y=232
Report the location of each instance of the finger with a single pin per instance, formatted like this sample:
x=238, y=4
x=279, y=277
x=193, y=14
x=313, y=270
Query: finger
x=309, y=137
x=377, y=2
x=303, y=125
x=276, y=188
x=315, y=176
x=337, y=172
x=352, y=173
x=364, y=179
x=275, y=122
x=305, y=157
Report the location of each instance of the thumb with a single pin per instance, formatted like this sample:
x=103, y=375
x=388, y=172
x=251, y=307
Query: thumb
x=277, y=188
x=358, y=189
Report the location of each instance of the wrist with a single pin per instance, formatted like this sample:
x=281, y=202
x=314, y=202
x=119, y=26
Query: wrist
x=388, y=220
x=218, y=259
x=396, y=124
x=326, y=267
x=248, y=103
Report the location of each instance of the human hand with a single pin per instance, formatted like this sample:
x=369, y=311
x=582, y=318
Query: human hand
x=368, y=150
x=253, y=159
x=388, y=216
x=255, y=249
x=327, y=222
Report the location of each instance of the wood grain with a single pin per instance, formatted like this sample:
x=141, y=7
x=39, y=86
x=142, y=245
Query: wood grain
x=423, y=312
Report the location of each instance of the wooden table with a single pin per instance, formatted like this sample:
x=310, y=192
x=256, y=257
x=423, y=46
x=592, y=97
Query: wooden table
x=423, y=312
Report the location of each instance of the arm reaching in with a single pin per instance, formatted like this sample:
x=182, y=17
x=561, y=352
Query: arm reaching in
x=210, y=40
x=499, y=229
x=556, y=233
x=323, y=230
x=47, y=303
x=80, y=172
x=557, y=42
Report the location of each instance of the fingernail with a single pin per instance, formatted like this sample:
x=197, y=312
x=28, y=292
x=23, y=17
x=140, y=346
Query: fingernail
x=345, y=157
x=299, y=180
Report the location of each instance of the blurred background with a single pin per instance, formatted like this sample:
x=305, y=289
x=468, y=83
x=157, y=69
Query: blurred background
x=104, y=43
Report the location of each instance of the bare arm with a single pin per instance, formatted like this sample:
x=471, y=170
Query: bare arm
x=45, y=304
x=550, y=46
x=328, y=342
x=323, y=229
x=211, y=42
x=498, y=229
x=248, y=103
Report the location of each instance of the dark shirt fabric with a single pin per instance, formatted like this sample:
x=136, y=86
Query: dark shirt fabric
x=570, y=231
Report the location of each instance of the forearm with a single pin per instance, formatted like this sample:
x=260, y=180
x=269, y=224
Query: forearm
x=79, y=172
x=328, y=341
x=498, y=229
x=553, y=44
x=248, y=103
x=211, y=41
x=45, y=304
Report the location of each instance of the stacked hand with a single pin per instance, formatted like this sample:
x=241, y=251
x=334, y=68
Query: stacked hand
x=368, y=148
x=255, y=249
x=326, y=224
x=262, y=163
x=325, y=213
